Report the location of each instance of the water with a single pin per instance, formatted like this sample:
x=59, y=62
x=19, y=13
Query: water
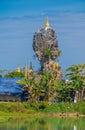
x=42, y=124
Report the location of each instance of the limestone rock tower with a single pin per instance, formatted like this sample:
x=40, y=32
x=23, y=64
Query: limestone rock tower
x=45, y=45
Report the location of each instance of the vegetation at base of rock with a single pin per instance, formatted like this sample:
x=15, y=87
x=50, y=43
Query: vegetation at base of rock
x=41, y=87
x=45, y=87
x=14, y=74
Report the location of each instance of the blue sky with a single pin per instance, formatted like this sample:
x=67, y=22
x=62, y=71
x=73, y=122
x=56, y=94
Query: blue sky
x=20, y=19
x=24, y=7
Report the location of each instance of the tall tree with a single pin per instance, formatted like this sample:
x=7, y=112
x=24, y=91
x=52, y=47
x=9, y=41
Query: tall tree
x=76, y=77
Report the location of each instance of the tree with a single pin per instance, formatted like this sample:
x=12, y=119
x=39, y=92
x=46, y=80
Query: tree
x=64, y=91
x=40, y=87
x=76, y=75
x=49, y=85
x=31, y=85
x=0, y=76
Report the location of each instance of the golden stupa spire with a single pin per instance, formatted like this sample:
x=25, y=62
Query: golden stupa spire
x=19, y=69
x=47, y=25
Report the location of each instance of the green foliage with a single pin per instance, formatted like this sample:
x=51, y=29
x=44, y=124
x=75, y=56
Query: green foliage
x=81, y=107
x=43, y=105
x=48, y=52
x=45, y=87
x=66, y=107
x=40, y=86
x=14, y=74
x=47, y=107
x=13, y=107
x=76, y=76
x=0, y=76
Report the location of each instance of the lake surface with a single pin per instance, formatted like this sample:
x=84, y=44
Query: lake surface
x=42, y=123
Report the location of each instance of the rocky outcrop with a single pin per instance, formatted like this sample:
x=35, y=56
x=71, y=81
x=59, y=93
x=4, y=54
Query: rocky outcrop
x=45, y=45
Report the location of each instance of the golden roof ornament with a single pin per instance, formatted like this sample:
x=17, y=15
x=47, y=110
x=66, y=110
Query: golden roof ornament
x=47, y=25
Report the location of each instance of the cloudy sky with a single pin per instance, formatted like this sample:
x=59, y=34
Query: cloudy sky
x=20, y=19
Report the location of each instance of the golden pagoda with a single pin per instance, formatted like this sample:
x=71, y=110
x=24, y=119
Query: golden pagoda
x=19, y=69
x=47, y=25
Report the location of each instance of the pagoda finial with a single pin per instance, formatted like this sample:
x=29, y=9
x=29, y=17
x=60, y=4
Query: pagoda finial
x=47, y=25
x=19, y=69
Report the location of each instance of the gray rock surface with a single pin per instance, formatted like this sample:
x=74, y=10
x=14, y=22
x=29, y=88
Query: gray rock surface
x=45, y=45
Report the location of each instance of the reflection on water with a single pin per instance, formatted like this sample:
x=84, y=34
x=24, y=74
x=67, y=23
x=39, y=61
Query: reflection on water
x=42, y=124
x=75, y=128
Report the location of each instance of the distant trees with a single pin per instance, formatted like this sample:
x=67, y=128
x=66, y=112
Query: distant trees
x=0, y=76
x=14, y=74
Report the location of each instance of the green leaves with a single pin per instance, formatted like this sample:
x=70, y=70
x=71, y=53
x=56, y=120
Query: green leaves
x=0, y=76
x=48, y=52
x=76, y=73
x=46, y=87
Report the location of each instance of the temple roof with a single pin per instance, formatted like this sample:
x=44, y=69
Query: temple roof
x=9, y=86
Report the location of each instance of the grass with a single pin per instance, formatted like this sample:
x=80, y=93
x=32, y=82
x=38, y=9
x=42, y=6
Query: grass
x=33, y=109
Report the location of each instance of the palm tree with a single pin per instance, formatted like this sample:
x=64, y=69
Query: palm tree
x=27, y=86
x=31, y=86
x=48, y=85
x=76, y=74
